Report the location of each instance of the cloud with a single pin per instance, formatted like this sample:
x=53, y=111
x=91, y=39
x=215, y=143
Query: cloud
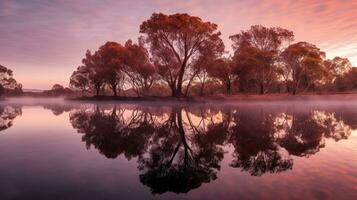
x=52, y=36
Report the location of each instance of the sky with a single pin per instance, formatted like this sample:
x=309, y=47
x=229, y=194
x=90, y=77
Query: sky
x=43, y=42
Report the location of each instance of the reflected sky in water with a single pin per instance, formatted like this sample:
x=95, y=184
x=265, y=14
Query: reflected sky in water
x=67, y=150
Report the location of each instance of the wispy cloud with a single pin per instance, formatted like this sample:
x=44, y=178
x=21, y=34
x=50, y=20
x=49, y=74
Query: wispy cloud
x=50, y=37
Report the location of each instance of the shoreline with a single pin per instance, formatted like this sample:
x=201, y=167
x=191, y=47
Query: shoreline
x=226, y=98
x=237, y=98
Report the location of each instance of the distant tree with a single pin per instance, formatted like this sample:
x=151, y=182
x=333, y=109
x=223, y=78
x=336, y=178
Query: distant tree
x=140, y=71
x=57, y=87
x=58, y=90
x=176, y=41
x=256, y=51
x=222, y=69
x=263, y=38
x=338, y=66
x=80, y=79
x=304, y=66
x=255, y=68
x=348, y=81
x=199, y=70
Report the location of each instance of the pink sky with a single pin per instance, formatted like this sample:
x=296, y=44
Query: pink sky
x=44, y=41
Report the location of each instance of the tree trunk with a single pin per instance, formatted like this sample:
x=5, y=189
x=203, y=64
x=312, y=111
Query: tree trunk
x=179, y=88
x=261, y=88
x=180, y=79
x=173, y=91
x=294, y=90
x=202, y=88
x=188, y=85
x=228, y=88
x=114, y=89
x=97, y=90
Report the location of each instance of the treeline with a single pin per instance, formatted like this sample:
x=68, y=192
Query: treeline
x=182, y=55
x=8, y=84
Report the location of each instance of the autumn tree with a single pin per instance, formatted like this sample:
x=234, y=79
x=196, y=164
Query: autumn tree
x=91, y=64
x=348, y=81
x=138, y=68
x=338, y=66
x=198, y=72
x=254, y=68
x=256, y=51
x=304, y=66
x=176, y=41
x=222, y=69
x=110, y=58
x=100, y=68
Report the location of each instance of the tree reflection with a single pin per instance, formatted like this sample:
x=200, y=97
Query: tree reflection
x=255, y=148
x=58, y=109
x=112, y=134
x=178, y=149
x=304, y=133
x=180, y=158
x=7, y=115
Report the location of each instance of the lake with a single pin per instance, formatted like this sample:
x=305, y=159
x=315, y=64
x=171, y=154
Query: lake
x=56, y=149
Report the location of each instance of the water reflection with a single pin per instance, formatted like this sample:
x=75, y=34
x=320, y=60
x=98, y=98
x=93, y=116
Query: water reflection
x=7, y=115
x=179, y=148
x=303, y=134
x=256, y=150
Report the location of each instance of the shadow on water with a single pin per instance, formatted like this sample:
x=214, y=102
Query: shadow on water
x=178, y=148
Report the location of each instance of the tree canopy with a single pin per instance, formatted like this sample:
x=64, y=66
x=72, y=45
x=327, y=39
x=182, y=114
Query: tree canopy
x=8, y=83
x=185, y=55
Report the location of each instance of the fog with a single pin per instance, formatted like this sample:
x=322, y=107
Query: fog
x=298, y=101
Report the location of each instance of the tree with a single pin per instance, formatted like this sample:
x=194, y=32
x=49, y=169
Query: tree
x=110, y=58
x=57, y=87
x=80, y=79
x=199, y=71
x=304, y=66
x=2, y=90
x=176, y=41
x=8, y=83
x=222, y=69
x=348, y=81
x=255, y=68
x=91, y=64
x=338, y=66
x=256, y=51
x=140, y=71
x=100, y=68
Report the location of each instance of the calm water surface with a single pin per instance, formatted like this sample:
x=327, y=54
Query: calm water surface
x=53, y=149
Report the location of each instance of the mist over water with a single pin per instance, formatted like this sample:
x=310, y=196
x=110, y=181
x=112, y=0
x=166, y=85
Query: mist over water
x=58, y=149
